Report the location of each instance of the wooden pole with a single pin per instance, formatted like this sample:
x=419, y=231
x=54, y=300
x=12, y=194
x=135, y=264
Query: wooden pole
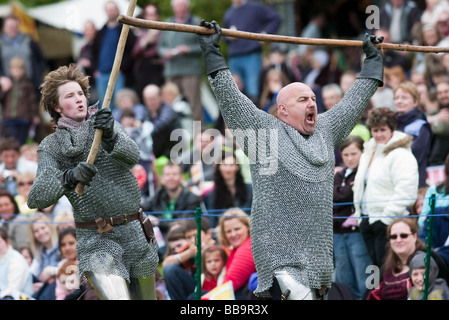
x=109, y=90
x=168, y=26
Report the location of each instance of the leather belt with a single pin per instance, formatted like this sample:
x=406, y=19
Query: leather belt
x=105, y=224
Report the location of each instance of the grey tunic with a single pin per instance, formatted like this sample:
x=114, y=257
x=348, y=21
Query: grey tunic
x=292, y=174
x=114, y=190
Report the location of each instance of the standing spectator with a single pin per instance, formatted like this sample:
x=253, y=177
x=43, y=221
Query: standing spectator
x=235, y=236
x=104, y=49
x=182, y=54
x=148, y=65
x=399, y=16
x=13, y=221
x=440, y=125
x=245, y=56
x=19, y=102
x=85, y=60
x=413, y=121
x=163, y=118
x=12, y=164
x=350, y=254
x=386, y=183
x=15, y=275
x=14, y=43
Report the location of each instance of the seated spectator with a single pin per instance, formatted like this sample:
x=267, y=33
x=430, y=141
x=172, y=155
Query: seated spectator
x=13, y=221
x=179, y=264
x=274, y=80
x=44, y=245
x=15, y=275
x=198, y=161
x=172, y=96
x=213, y=261
x=24, y=182
x=171, y=198
x=403, y=244
x=230, y=189
x=235, y=236
x=11, y=164
x=127, y=99
x=437, y=290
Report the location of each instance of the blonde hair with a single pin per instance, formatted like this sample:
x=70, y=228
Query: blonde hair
x=55, y=79
x=410, y=88
x=40, y=217
x=233, y=213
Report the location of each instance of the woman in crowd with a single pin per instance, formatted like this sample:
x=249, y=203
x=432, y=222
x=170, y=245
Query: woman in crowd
x=44, y=245
x=412, y=121
x=386, y=183
x=230, y=189
x=15, y=275
x=403, y=243
x=235, y=236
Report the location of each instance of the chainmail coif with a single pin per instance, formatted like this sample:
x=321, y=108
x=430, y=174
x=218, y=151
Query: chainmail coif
x=114, y=190
x=291, y=214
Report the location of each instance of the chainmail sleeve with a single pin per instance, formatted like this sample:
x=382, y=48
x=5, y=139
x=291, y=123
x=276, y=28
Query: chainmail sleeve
x=292, y=174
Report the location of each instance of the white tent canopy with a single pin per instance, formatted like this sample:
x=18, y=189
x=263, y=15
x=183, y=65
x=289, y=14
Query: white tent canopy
x=72, y=14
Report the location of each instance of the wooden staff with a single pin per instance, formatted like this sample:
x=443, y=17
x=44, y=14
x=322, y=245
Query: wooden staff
x=168, y=26
x=109, y=90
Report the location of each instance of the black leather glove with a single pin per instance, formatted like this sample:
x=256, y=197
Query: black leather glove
x=373, y=66
x=105, y=121
x=209, y=43
x=83, y=172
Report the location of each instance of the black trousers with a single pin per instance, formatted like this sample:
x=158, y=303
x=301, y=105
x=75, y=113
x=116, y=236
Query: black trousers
x=375, y=236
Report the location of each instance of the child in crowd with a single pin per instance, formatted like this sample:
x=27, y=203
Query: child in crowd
x=214, y=267
x=438, y=288
x=68, y=277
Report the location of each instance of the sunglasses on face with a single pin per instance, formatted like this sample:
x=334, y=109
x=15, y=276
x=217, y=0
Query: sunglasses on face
x=21, y=184
x=402, y=236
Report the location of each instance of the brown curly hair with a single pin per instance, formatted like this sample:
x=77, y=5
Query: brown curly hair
x=52, y=81
x=382, y=116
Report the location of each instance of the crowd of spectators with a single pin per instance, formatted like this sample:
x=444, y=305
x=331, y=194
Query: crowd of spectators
x=184, y=166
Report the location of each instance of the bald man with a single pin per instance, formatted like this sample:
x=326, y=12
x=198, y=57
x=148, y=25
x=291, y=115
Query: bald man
x=291, y=214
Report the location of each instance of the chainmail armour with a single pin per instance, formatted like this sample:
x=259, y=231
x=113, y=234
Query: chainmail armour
x=114, y=190
x=291, y=214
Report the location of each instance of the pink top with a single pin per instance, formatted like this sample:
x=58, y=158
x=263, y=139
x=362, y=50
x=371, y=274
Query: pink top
x=240, y=265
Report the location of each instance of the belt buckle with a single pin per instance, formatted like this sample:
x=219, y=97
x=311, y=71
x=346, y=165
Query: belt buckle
x=103, y=226
x=125, y=219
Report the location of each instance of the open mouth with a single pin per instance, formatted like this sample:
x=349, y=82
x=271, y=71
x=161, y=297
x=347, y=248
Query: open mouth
x=310, y=117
